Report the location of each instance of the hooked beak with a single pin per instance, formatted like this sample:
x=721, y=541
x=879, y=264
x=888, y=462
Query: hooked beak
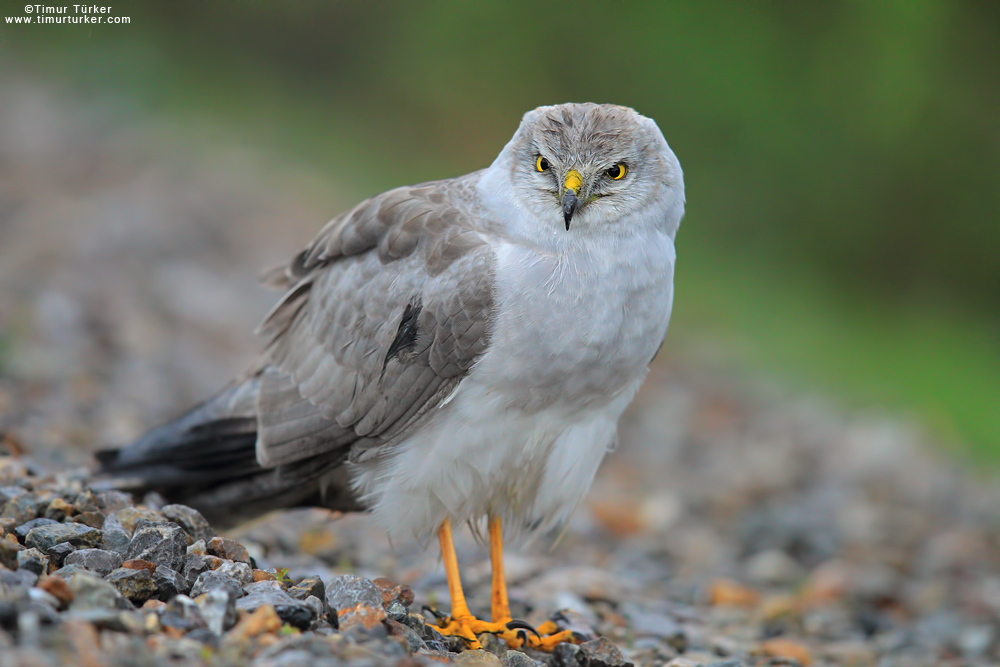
x=570, y=202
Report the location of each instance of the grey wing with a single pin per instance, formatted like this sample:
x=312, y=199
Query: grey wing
x=386, y=312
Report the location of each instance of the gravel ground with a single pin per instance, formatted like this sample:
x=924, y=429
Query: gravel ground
x=734, y=526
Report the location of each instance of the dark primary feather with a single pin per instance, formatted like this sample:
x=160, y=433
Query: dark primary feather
x=384, y=313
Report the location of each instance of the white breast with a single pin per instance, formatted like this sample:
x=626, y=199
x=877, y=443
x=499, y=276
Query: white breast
x=524, y=433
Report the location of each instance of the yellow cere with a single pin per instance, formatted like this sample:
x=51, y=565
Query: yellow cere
x=573, y=180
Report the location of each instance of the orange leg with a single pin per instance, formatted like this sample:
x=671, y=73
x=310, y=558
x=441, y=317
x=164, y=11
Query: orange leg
x=499, y=606
x=463, y=624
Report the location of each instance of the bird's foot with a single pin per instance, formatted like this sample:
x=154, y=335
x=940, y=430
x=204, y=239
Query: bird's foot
x=467, y=628
x=515, y=633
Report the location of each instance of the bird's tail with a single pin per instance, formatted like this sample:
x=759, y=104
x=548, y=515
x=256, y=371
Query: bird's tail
x=207, y=459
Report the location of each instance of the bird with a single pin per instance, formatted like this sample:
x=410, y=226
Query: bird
x=457, y=351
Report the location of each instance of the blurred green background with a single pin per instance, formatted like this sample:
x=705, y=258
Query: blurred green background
x=842, y=160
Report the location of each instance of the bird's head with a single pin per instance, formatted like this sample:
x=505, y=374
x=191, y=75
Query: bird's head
x=588, y=168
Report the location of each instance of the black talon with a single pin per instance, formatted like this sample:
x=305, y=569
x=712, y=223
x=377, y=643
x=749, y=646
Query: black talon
x=434, y=612
x=521, y=625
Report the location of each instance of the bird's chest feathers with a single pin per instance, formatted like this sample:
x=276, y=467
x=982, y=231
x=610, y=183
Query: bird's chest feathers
x=585, y=322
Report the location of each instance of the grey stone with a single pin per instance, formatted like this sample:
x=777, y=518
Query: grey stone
x=57, y=554
x=349, y=592
x=18, y=579
x=601, y=653
x=183, y=614
x=310, y=586
x=659, y=625
x=67, y=571
x=8, y=493
x=517, y=659
x=194, y=566
x=396, y=611
x=772, y=567
x=169, y=583
x=241, y=572
x=975, y=641
x=22, y=531
x=89, y=592
x=160, y=543
x=32, y=560
x=43, y=597
x=112, y=501
x=104, y=619
x=218, y=609
x=413, y=640
x=191, y=520
x=211, y=580
x=113, y=535
x=100, y=561
x=22, y=509
x=136, y=585
x=294, y=612
x=76, y=534
x=154, y=501
x=85, y=501
x=317, y=605
x=566, y=655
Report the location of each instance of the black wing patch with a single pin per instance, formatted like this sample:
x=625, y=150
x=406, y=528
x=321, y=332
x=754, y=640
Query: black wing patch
x=406, y=334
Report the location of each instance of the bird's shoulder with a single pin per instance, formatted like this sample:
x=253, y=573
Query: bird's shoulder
x=439, y=220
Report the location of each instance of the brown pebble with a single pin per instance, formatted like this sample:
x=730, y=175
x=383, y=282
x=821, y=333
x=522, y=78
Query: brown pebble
x=154, y=604
x=57, y=588
x=728, y=593
x=214, y=562
x=263, y=575
x=363, y=615
x=86, y=643
x=93, y=519
x=393, y=592
x=129, y=517
x=786, y=648
x=263, y=620
x=139, y=564
x=268, y=640
x=58, y=510
x=227, y=548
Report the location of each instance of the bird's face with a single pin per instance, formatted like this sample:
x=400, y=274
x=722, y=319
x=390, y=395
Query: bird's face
x=587, y=167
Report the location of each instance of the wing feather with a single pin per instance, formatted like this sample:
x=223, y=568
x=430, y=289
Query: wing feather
x=334, y=379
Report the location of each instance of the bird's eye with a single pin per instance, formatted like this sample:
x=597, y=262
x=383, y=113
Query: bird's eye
x=541, y=164
x=617, y=171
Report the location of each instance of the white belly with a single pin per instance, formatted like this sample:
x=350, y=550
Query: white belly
x=524, y=433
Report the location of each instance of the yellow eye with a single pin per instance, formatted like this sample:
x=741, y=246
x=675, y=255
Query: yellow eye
x=541, y=164
x=617, y=171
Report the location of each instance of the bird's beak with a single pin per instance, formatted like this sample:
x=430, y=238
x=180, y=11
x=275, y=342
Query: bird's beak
x=569, y=199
